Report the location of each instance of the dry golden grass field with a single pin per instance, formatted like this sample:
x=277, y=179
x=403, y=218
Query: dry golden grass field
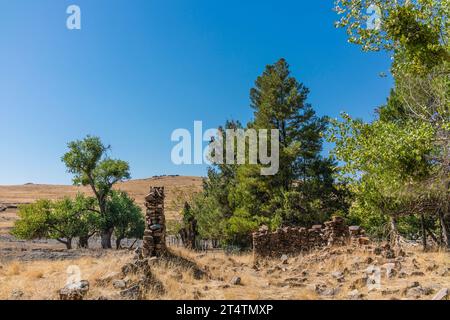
x=38, y=269
x=311, y=276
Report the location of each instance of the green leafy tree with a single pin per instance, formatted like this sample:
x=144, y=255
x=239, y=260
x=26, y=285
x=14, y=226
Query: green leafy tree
x=62, y=220
x=418, y=180
x=87, y=160
x=416, y=32
x=126, y=217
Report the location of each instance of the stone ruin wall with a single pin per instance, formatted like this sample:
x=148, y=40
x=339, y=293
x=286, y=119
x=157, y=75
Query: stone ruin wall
x=154, y=241
x=293, y=240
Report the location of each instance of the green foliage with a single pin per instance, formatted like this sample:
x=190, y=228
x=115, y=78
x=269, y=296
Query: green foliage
x=62, y=220
x=237, y=199
x=416, y=31
x=126, y=216
x=87, y=160
x=388, y=164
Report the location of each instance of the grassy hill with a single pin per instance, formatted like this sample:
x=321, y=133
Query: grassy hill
x=176, y=187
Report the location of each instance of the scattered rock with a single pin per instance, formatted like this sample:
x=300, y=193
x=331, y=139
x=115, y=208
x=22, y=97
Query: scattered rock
x=119, y=284
x=132, y=293
x=105, y=280
x=74, y=291
x=17, y=294
x=284, y=259
x=402, y=274
x=129, y=268
x=359, y=282
x=390, y=269
x=386, y=292
x=413, y=284
x=236, y=281
x=329, y=292
x=442, y=294
x=339, y=276
x=355, y=295
x=415, y=292
x=432, y=267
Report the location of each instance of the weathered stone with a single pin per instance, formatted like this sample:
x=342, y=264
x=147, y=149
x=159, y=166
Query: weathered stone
x=415, y=292
x=17, y=294
x=442, y=294
x=154, y=241
x=355, y=295
x=129, y=268
x=119, y=284
x=74, y=291
x=132, y=293
x=294, y=240
x=105, y=280
x=236, y=281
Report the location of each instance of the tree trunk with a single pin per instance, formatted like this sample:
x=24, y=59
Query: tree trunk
x=106, y=238
x=83, y=242
x=424, y=233
x=69, y=244
x=445, y=232
x=394, y=236
x=118, y=241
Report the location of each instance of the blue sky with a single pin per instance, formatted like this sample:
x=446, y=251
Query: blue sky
x=138, y=69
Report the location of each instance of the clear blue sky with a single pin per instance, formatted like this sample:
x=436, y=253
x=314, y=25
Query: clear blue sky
x=138, y=69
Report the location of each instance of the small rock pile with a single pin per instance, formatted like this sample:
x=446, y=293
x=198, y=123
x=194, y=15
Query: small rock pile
x=141, y=270
x=154, y=244
x=292, y=240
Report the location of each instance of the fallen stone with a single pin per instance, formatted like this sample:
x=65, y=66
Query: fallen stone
x=119, y=284
x=339, y=276
x=355, y=295
x=442, y=294
x=74, y=291
x=105, y=280
x=236, y=281
x=132, y=293
x=129, y=268
x=17, y=294
x=386, y=292
x=415, y=292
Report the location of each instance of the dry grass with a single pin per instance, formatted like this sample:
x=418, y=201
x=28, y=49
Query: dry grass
x=138, y=189
x=270, y=280
x=42, y=279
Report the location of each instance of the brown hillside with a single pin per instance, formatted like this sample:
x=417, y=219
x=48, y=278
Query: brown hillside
x=175, y=186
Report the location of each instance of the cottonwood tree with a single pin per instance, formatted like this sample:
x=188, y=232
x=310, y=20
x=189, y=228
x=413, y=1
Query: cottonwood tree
x=416, y=34
x=62, y=220
x=88, y=161
x=126, y=217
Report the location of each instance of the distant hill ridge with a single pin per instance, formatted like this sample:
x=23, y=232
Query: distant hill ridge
x=138, y=189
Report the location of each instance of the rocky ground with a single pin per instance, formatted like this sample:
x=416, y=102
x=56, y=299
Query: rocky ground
x=331, y=273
